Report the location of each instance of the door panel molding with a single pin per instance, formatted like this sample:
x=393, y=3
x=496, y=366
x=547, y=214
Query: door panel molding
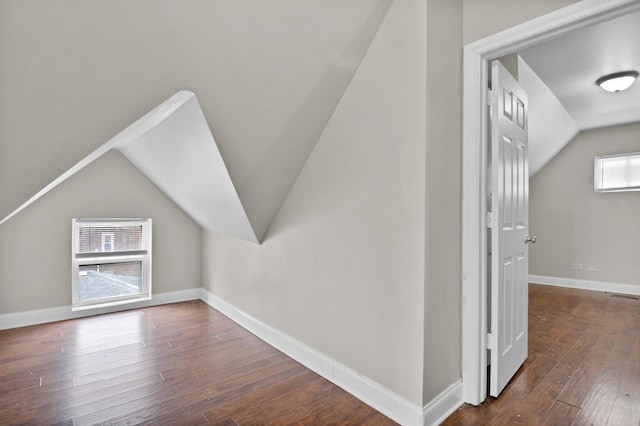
x=509, y=252
x=474, y=157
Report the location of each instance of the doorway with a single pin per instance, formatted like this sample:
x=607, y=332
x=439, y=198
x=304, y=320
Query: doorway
x=474, y=240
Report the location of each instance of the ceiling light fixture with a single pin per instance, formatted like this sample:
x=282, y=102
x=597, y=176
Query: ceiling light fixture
x=617, y=82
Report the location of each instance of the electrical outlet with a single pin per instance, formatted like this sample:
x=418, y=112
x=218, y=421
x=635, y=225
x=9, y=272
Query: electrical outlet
x=592, y=268
x=576, y=266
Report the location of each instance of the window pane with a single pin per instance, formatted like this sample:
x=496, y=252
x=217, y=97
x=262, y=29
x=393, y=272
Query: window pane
x=634, y=171
x=617, y=173
x=614, y=173
x=109, y=280
x=109, y=238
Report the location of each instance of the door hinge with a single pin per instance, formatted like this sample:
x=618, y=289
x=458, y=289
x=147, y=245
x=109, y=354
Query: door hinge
x=492, y=97
x=490, y=219
x=490, y=343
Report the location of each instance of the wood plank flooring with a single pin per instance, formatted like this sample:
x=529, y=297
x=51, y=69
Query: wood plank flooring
x=583, y=366
x=183, y=364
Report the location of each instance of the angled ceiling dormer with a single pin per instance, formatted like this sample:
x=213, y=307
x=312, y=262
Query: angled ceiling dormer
x=181, y=157
x=173, y=147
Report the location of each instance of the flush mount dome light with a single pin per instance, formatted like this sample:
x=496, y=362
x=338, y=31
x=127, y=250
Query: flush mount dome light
x=617, y=82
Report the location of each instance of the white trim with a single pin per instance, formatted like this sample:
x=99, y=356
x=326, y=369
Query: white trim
x=476, y=57
x=474, y=208
x=380, y=398
x=61, y=313
x=618, y=288
x=443, y=405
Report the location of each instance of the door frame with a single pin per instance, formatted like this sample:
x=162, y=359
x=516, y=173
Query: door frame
x=474, y=164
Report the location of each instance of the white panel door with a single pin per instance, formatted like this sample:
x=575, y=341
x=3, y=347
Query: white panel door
x=509, y=225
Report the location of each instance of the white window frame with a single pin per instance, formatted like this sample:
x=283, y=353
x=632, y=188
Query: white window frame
x=599, y=176
x=79, y=259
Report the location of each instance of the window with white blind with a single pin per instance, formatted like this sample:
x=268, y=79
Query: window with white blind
x=111, y=262
x=616, y=173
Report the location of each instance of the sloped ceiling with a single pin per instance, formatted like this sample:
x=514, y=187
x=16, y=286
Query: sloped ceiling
x=551, y=127
x=268, y=75
x=571, y=64
x=560, y=77
x=173, y=147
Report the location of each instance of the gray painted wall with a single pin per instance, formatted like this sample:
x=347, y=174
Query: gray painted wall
x=342, y=267
x=485, y=17
x=442, y=315
x=574, y=224
x=35, y=246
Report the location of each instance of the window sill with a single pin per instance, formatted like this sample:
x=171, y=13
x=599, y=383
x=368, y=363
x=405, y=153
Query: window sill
x=107, y=304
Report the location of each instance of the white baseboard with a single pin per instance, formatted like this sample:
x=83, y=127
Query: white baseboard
x=443, y=405
x=61, y=313
x=586, y=284
x=377, y=396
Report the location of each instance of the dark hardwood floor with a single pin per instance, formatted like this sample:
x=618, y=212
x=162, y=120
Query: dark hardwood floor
x=187, y=364
x=183, y=364
x=583, y=366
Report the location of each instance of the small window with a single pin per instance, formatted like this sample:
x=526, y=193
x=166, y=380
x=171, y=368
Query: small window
x=111, y=262
x=616, y=173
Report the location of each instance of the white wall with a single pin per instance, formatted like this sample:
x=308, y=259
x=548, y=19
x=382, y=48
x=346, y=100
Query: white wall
x=341, y=268
x=574, y=224
x=35, y=246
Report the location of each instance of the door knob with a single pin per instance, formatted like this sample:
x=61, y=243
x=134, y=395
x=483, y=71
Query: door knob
x=530, y=239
